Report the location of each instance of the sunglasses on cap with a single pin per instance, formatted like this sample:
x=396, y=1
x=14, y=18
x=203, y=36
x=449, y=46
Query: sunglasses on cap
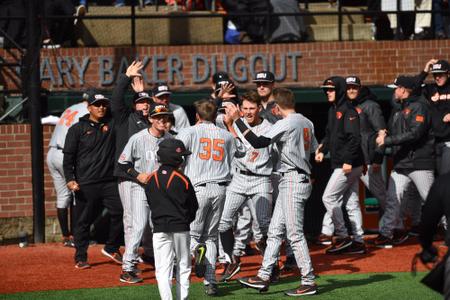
x=100, y=103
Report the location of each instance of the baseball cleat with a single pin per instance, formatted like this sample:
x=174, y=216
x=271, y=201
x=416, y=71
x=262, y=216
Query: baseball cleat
x=81, y=265
x=255, y=283
x=356, y=248
x=115, y=257
x=230, y=270
x=302, y=290
x=200, y=263
x=400, y=236
x=130, y=277
x=324, y=239
x=211, y=289
x=339, y=245
x=382, y=242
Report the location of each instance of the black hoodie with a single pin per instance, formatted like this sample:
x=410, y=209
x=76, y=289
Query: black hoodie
x=88, y=151
x=128, y=122
x=371, y=121
x=342, y=138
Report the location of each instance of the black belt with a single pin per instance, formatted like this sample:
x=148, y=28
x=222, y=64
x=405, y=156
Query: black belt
x=298, y=170
x=223, y=183
x=57, y=147
x=250, y=173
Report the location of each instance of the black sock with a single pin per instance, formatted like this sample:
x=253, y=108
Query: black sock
x=63, y=220
x=227, y=239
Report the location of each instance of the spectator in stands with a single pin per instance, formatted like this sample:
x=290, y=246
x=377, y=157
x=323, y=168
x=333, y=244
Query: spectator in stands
x=58, y=31
x=440, y=26
x=15, y=29
x=404, y=21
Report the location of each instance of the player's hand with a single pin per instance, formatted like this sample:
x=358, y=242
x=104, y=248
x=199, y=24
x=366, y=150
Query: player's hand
x=232, y=111
x=73, y=186
x=319, y=157
x=376, y=168
x=227, y=120
x=143, y=178
x=446, y=118
x=429, y=64
x=137, y=84
x=225, y=91
x=380, y=140
x=134, y=69
x=346, y=168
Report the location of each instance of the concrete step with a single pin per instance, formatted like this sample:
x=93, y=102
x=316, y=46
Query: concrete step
x=333, y=19
x=350, y=32
x=179, y=31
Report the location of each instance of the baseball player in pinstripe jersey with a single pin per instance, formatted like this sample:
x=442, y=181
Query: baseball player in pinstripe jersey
x=413, y=153
x=138, y=159
x=250, y=185
x=294, y=136
x=55, y=165
x=209, y=170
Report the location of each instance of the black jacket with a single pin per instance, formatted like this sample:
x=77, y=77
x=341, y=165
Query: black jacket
x=88, y=151
x=342, y=138
x=436, y=206
x=371, y=120
x=172, y=200
x=410, y=137
x=439, y=102
x=128, y=121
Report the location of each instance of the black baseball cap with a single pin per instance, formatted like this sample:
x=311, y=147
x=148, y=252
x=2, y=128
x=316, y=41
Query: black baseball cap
x=441, y=66
x=328, y=84
x=159, y=109
x=408, y=82
x=161, y=89
x=353, y=80
x=141, y=96
x=264, y=76
x=172, y=146
x=94, y=98
x=220, y=76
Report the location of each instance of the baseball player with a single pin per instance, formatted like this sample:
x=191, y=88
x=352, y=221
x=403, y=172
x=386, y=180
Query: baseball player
x=265, y=82
x=343, y=141
x=294, y=136
x=161, y=95
x=371, y=125
x=88, y=168
x=173, y=203
x=138, y=159
x=209, y=170
x=413, y=153
x=438, y=96
x=250, y=185
x=130, y=120
x=55, y=165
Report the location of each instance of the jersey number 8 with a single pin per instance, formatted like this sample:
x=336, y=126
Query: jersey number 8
x=212, y=148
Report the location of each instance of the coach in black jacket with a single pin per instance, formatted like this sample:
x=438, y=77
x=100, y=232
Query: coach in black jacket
x=343, y=141
x=413, y=153
x=88, y=168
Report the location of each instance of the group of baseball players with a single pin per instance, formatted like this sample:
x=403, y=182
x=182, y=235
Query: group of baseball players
x=200, y=193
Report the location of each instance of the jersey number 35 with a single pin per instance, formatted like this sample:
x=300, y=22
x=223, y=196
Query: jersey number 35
x=211, y=148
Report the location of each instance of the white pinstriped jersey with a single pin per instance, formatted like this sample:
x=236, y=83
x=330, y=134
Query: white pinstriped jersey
x=212, y=151
x=141, y=151
x=258, y=161
x=181, y=119
x=295, y=139
x=69, y=117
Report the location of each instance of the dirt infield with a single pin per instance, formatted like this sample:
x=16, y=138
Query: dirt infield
x=50, y=266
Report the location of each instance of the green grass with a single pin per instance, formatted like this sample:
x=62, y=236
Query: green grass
x=354, y=286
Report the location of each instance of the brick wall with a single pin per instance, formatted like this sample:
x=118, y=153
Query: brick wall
x=377, y=63
x=15, y=172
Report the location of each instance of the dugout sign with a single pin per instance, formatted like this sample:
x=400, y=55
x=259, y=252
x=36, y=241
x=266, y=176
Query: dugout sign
x=181, y=70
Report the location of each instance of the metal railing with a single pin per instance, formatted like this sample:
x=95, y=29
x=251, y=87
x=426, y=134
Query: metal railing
x=269, y=15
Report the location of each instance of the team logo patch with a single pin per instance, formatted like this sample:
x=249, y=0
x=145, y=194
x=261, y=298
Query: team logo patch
x=406, y=111
x=352, y=118
x=178, y=150
x=105, y=128
x=122, y=156
x=164, y=172
x=420, y=118
x=89, y=132
x=338, y=115
x=358, y=110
